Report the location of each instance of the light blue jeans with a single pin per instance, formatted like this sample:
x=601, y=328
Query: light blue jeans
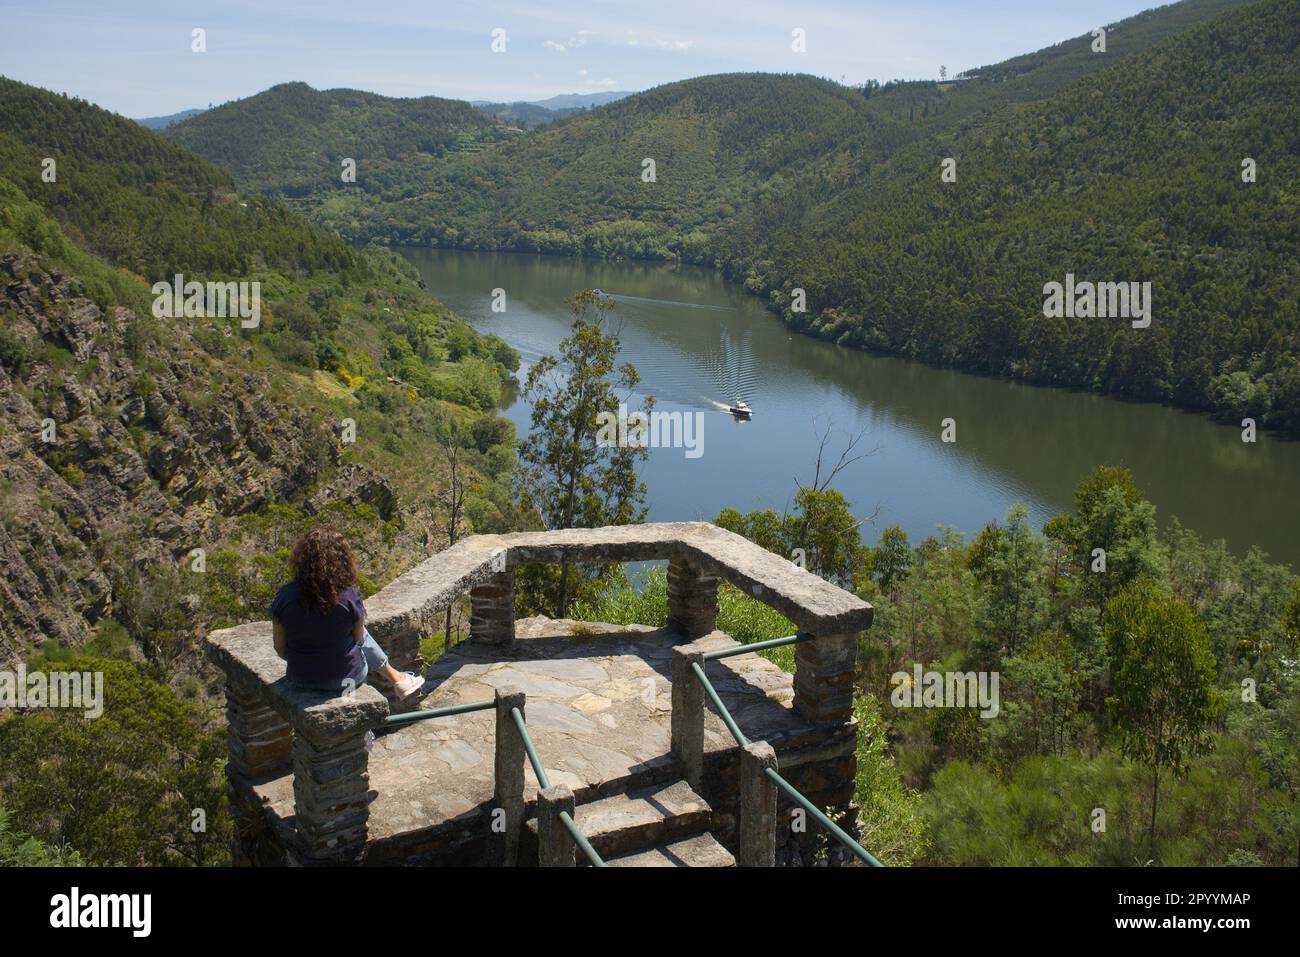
x=372, y=658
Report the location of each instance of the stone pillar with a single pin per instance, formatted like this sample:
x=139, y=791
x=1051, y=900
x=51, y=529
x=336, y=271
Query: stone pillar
x=492, y=610
x=555, y=844
x=331, y=794
x=823, y=677
x=259, y=741
x=692, y=599
x=757, y=838
x=331, y=770
x=509, y=791
x=688, y=715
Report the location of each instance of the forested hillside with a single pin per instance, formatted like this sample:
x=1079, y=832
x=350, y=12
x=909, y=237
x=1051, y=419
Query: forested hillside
x=291, y=142
x=157, y=471
x=132, y=440
x=1120, y=166
x=526, y=115
x=1132, y=174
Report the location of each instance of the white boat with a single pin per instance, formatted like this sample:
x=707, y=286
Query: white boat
x=741, y=409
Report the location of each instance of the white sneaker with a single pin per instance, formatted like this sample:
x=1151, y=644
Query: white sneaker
x=408, y=685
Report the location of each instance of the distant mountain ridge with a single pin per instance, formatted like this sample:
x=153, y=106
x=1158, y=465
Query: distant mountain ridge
x=528, y=115
x=569, y=101
x=564, y=101
x=531, y=114
x=292, y=140
x=162, y=122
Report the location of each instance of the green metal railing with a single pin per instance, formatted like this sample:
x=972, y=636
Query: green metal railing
x=757, y=646
x=544, y=782
x=858, y=851
x=567, y=820
x=424, y=715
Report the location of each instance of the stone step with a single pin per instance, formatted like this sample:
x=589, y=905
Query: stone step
x=641, y=818
x=698, y=851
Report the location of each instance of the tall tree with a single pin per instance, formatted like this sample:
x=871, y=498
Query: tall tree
x=1163, y=697
x=452, y=497
x=1008, y=559
x=570, y=478
x=1112, y=537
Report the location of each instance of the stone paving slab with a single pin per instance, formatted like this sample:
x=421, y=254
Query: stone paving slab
x=598, y=710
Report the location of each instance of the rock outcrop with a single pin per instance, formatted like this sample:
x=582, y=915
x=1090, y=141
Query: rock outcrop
x=126, y=442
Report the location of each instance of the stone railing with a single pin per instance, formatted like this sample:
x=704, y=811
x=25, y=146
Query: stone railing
x=274, y=727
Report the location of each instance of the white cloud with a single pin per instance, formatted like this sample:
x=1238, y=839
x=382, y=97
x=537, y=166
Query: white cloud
x=578, y=40
x=659, y=43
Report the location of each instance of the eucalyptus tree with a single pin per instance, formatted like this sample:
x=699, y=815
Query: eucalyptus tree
x=570, y=477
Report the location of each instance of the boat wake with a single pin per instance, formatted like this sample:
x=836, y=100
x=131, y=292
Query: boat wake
x=666, y=302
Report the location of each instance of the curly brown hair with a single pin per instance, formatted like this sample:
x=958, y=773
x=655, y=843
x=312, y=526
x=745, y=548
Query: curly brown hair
x=323, y=565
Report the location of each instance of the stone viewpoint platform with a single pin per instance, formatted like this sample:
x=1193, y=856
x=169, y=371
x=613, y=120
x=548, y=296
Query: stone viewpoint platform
x=648, y=772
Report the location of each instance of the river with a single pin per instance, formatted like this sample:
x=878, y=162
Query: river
x=699, y=342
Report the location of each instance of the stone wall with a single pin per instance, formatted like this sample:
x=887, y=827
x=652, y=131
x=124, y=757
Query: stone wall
x=274, y=727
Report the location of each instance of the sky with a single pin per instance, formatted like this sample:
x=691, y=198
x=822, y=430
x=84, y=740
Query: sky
x=136, y=57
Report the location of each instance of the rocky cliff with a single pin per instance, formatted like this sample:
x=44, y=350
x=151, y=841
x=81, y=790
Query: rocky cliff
x=124, y=442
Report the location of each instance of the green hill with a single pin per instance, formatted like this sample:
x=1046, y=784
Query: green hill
x=1130, y=174
x=131, y=440
x=291, y=140
x=582, y=186
x=526, y=115
x=1120, y=166
x=725, y=147
x=149, y=206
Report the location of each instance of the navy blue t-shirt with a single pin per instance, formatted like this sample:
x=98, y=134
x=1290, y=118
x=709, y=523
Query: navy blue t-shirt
x=320, y=647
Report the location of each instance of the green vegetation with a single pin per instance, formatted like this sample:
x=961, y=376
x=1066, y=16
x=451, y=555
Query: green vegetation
x=1163, y=675
x=125, y=787
x=21, y=850
x=952, y=273
x=1172, y=708
x=263, y=418
x=291, y=140
x=575, y=475
x=789, y=182
x=526, y=115
x=152, y=208
x=1145, y=674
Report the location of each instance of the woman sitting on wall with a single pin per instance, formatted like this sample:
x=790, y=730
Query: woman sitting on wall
x=319, y=621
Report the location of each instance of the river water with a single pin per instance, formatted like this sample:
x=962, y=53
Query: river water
x=700, y=342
